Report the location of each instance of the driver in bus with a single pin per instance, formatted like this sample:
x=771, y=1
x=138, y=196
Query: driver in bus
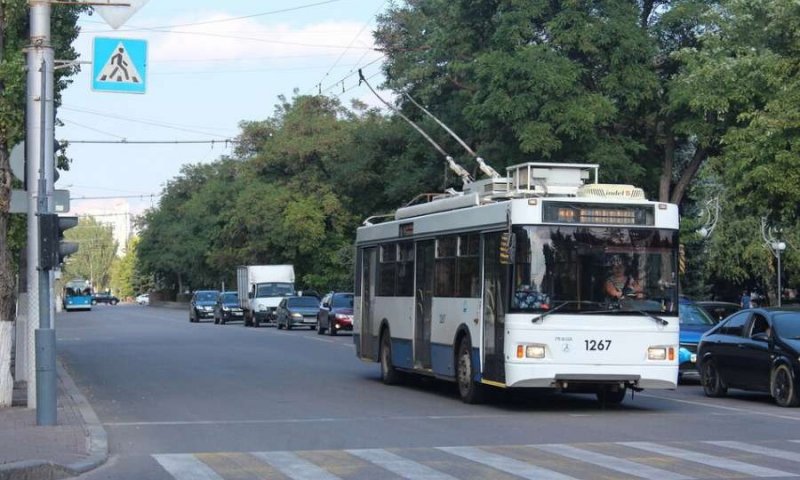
x=620, y=284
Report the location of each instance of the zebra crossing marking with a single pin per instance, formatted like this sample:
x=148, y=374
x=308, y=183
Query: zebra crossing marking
x=295, y=467
x=505, y=464
x=185, y=466
x=612, y=463
x=403, y=467
x=765, y=451
x=710, y=460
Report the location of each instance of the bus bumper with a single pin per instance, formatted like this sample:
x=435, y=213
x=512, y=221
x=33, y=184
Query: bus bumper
x=566, y=376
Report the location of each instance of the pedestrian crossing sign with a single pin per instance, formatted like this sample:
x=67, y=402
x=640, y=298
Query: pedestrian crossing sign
x=119, y=65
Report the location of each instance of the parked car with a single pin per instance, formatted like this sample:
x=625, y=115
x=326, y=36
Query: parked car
x=754, y=349
x=335, y=313
x=719, y=310
x=694, y=322
x=143, y=299
x=202, y=305
x=104, y=298
x=297, y=312
x=227, y=308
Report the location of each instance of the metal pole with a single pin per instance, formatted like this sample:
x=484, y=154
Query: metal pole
x=39, y=141
x=779, y=273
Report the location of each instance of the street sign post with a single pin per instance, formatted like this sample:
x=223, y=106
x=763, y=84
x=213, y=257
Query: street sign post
x=119, y=65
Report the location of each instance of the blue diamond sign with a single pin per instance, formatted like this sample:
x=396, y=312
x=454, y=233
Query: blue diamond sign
x=119, y=65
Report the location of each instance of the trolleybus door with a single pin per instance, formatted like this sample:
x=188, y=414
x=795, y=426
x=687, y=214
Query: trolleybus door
x=369, y=344
x=423, y=299
x=495, y=295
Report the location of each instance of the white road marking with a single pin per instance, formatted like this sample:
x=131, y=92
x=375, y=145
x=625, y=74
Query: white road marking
x=295, y=467
x=721, y=407
x=710, y=460
x=171, y=423
x=396, y=464
x=612, y=463
x=185, y=466
x=765, y=451
x=505, y=464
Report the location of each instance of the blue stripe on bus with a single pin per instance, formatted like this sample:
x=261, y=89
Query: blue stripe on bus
x=402, y=353
x=442, y=359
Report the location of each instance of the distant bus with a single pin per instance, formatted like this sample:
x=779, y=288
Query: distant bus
x=77, y=295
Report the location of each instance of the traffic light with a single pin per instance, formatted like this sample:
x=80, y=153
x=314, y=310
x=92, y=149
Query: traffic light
x=52, y=247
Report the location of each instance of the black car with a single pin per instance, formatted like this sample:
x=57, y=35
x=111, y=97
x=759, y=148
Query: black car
x=754, y=349
x=104, y=298
x=718, y=310
x=335, y=313
x=297, y=312
x=227, y=308
x=202, y=305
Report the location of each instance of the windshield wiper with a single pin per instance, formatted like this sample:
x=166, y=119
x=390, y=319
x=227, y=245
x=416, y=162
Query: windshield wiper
x=560, y=306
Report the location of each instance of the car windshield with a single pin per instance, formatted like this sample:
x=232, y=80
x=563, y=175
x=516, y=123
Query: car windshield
x=303, y=302
x=342, y=301
x=787, y=324
x=206, y=296
x=274, y=290
x=693, y=315
x=594, y=268
x=230, y=297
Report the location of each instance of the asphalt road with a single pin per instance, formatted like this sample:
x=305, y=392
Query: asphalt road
x=205, y=401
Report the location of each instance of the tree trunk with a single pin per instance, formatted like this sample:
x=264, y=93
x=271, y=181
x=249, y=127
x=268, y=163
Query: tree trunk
x=688, y=174
x=669, y=160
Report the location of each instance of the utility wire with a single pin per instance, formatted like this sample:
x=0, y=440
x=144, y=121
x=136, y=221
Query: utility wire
x=366, y=24
x=145, y=122
x=352, y=73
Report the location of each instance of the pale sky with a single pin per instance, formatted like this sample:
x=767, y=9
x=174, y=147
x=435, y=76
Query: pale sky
x=211, y=64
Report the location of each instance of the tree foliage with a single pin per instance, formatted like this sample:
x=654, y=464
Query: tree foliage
x=96, y=253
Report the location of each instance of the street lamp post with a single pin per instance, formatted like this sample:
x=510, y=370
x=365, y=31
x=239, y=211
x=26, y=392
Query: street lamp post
x=775, y=246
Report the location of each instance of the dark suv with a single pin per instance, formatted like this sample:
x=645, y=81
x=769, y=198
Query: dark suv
x=104, y=298
x=202, y=305
x=335, y=313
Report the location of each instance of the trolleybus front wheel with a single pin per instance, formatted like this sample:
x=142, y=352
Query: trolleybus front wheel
x=469, y=390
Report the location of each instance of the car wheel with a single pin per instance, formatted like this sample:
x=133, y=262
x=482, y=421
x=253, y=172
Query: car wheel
x=783, y=388
x=94, y=302
x=607, y=396
x=712, y=382
x=114, y=302
x=469, y=390
x=389, y=374
x=216, y=321
x=312, y=327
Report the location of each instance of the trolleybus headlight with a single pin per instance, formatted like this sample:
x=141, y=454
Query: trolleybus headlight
x=530, y=351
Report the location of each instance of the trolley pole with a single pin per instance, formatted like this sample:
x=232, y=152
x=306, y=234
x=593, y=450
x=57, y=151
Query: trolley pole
x=40, y=132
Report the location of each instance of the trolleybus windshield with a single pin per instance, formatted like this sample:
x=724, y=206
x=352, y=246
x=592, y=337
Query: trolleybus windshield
x=592, y=269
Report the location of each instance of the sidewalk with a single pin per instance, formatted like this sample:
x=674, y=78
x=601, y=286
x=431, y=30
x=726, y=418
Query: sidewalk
x=77, y=444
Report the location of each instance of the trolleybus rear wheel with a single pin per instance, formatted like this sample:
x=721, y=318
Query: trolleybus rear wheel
x=389, y=374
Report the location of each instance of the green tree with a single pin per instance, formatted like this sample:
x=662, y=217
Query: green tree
x=559, y=81
x=96, y=253
x=747, y=71
x=14, y=38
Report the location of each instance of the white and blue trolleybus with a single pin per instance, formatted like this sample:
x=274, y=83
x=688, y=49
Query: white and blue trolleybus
x=542, y=279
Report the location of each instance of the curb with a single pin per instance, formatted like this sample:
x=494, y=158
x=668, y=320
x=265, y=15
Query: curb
x=96, y=443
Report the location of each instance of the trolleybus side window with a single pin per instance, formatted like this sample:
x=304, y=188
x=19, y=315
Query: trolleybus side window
x=445, y=273
x=467, y=268
x=405, y=269
x=387, y=270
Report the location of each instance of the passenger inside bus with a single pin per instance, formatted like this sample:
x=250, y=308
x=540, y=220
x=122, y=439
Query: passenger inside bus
x=621, y=284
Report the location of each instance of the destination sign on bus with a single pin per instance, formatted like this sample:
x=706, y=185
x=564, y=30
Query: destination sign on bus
x=560, y=212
